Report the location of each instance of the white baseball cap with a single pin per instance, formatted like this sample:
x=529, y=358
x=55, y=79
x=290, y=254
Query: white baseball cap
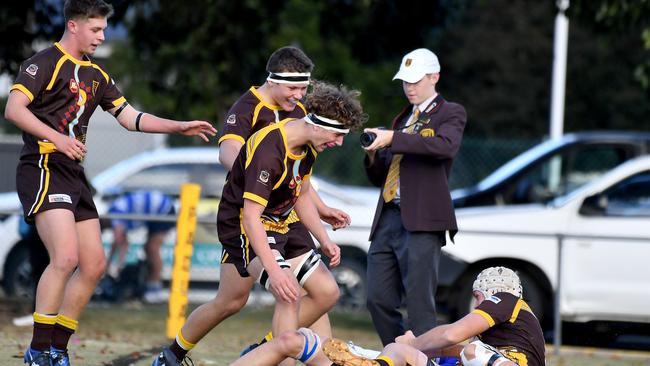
x=416, y=64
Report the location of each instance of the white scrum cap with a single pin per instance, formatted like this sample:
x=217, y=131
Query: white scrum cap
x=497, y=279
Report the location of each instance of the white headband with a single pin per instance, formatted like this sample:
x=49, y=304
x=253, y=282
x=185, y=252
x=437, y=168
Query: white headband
x=326, y=123
x=289, y=77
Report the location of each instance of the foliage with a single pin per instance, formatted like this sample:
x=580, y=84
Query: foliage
x=620, y=17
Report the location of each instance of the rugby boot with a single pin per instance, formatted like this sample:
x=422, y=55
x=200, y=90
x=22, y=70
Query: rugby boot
x=168, y=358
x=37, y=358
x=340, y=353
x=59, y=357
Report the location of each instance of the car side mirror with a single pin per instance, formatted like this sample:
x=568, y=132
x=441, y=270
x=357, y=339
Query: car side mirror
x=594, y=205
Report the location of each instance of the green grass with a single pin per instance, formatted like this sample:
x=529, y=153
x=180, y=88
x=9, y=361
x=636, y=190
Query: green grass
x=130, y=334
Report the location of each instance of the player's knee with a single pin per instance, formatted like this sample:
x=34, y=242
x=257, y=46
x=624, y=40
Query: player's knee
x=327, y=291
x=97, y=269
x=290, y=343
x=231, y=306
x=64, y=263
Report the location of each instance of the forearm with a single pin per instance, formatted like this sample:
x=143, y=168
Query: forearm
x=318, y=202
x=434, y=340
x=308, y=214
x=256, y=234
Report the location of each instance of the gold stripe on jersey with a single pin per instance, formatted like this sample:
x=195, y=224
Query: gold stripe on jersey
x=46, y=147
x=486, y=316
x=262, y=103
x=517, y=357
x=255, y=198
x=302, y=107
x=515, y=311
x=293, y=217
x=119, y=101
x=68, y=57
x=22, y=88
x=46, y=184
x=224, y=257
x=281, y=227
x=253, y=142
x=231, y=136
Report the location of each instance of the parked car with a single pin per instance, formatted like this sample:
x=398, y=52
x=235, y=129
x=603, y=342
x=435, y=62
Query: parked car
x=165, y=170
x=603, y=226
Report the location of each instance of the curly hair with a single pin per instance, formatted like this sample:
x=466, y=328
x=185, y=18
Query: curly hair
x=339, y=103
x=289, y=59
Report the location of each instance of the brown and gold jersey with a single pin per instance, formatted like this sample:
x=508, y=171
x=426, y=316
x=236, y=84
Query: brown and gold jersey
x=514, y=329
x=64, y=92
x=251, y=113
x=266, y=172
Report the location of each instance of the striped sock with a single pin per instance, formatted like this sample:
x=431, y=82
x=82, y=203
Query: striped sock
x=43, y=328
x=63, y=330
x=181, y=346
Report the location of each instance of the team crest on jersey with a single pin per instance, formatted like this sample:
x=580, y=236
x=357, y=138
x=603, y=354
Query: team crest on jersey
x=32, y=69
x=232, y=119
x=264, y=176
x=95, y=86
x=74, y=87
x=295, y=181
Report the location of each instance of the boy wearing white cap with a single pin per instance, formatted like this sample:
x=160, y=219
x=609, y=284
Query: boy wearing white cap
x=411, y=162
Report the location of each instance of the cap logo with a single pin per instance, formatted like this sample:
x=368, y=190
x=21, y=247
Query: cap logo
x=408, y=62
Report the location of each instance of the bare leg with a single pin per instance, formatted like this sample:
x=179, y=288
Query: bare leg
x=231, y=297
x=322, y=295
x=400, y=354
x=92, y=264
x=154, y=260
x=287, y=345
x=57, y=229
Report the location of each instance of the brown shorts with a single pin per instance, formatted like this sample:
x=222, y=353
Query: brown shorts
x=299, y=241
x=238, y=250
x=52, y=182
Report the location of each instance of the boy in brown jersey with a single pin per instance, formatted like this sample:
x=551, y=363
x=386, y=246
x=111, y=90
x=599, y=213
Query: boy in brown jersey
x=269, y=178
x=277, y=99
x=502, y=329
x=54, y=95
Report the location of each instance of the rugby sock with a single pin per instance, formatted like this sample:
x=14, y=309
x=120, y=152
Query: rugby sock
x=267, y=337
x=384, y=360
x=181, y=346
x=43, y=328
x=63, y=330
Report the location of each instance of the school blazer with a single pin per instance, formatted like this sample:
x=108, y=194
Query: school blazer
x=428, y=155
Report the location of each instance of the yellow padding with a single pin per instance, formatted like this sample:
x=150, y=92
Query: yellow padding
x=269, y=336
x=184, y=342
x=44, y=319
x=387, y=359
x=66, y=322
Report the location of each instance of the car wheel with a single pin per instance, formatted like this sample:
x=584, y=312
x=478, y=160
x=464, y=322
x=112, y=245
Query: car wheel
x=533, y=295
x=18, y=273
x=350, y=275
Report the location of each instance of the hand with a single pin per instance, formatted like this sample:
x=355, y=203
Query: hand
x=407, y=338
x=384, y=138
x=198, y=128
x=72, y=148
x=335, y=217
x=283, y=285
x=331, y=250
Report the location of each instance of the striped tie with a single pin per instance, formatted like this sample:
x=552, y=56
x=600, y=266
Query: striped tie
x=392, y=179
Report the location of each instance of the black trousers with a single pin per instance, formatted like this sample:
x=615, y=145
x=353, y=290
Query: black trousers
x=402, y=267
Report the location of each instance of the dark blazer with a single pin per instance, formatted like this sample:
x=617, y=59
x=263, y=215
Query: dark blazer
x=424, y=170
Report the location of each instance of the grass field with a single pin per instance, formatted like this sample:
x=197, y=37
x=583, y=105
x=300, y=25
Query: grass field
x=130, y=334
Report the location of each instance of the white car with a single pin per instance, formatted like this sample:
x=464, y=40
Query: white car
x=166, y=170
x=605, y=231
